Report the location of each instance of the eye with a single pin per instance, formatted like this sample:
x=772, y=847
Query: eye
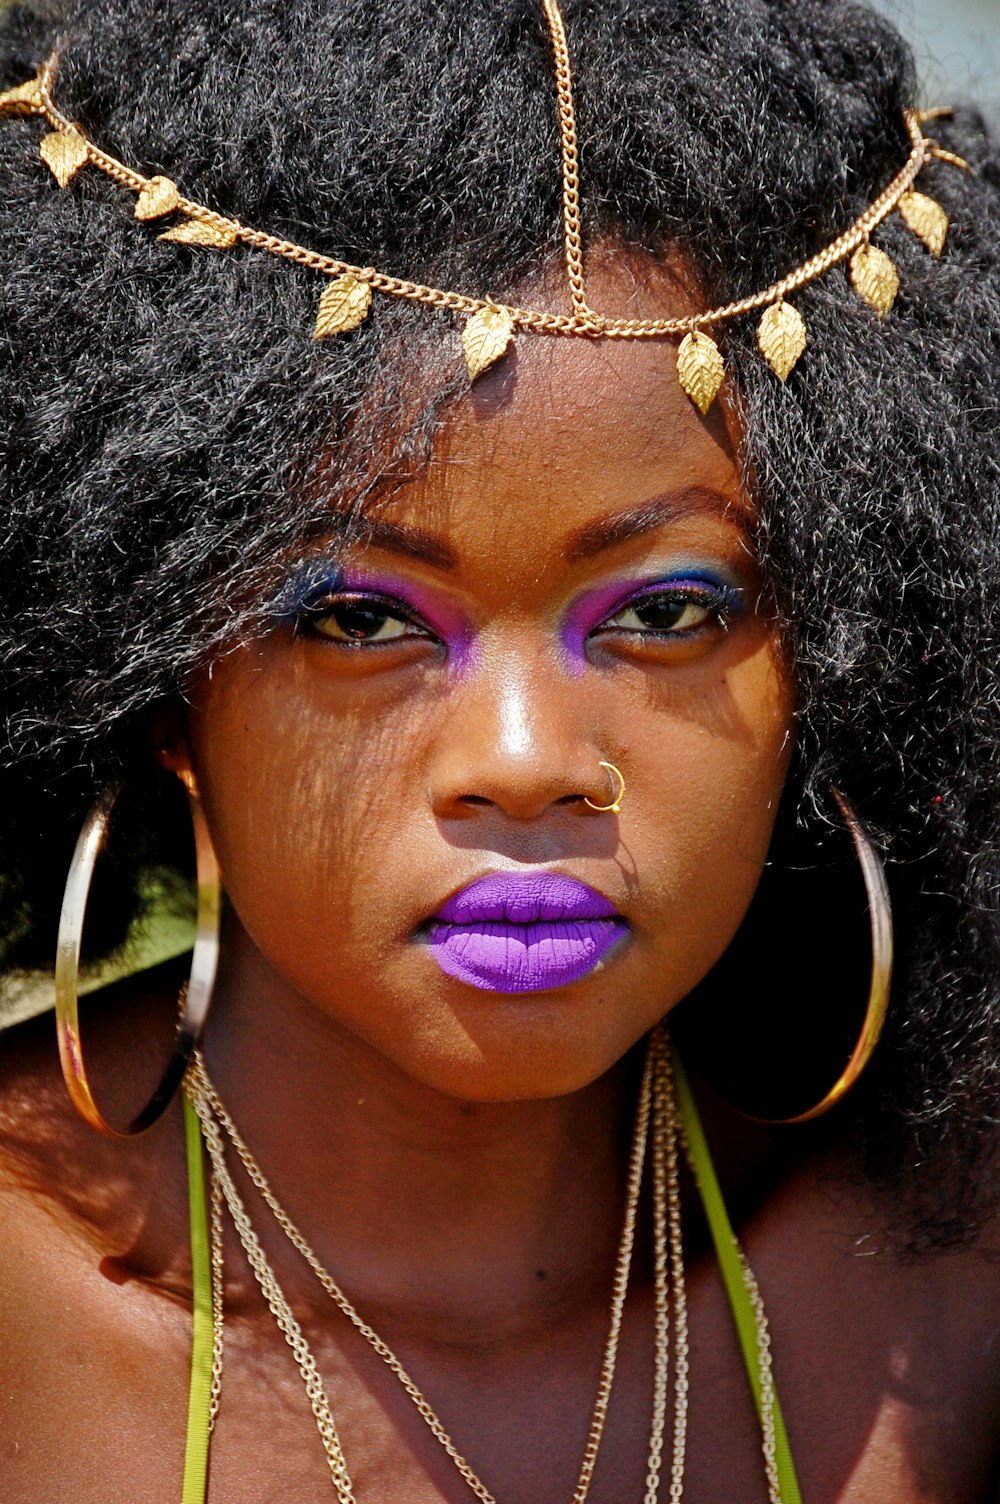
x=661, y=613
x=359, y=621
x=680, y=610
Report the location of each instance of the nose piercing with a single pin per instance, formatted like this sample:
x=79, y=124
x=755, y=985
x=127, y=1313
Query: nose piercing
x=616, y=804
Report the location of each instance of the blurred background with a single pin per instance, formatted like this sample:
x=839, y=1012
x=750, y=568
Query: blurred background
x=957, y=46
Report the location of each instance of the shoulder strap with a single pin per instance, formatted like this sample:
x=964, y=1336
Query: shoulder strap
x=732, y=1274
x=200, y=1391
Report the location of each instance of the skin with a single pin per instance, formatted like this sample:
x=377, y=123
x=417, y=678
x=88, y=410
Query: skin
x=456, y=1155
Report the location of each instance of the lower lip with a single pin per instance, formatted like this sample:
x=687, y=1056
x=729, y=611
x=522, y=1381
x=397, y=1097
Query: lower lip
x=504, y=957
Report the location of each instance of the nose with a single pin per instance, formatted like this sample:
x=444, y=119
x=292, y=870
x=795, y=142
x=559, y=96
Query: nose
x=520, y=739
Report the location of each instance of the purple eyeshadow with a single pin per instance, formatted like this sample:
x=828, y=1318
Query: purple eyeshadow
x=597, y=605
x=310, y=586
x=312, y=583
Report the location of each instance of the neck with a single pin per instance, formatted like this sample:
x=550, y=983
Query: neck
x=416, y=1201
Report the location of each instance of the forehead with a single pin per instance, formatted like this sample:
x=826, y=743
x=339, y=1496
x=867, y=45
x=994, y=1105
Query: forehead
x=565, y=431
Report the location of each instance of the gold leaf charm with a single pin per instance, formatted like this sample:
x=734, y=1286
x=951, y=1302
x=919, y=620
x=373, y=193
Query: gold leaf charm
x=158, y=197
x=26, y=99
x=64, y=152
x=926, y=218
x=781, y=338
x=196, y=232
x=485, y=338
x=699, y=368
x=343, y=306
x=875, y=278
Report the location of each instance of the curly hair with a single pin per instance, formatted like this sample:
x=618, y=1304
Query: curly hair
x=172, y=435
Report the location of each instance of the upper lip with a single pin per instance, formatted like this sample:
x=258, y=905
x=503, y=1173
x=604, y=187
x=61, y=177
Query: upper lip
x=525, y=898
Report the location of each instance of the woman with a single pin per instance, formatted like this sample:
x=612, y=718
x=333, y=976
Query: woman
x=523, y=713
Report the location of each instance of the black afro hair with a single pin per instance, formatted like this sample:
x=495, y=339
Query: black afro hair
x=172, y=434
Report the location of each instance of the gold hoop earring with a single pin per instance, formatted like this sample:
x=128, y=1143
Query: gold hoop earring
x=197, y=993
x=880, y=917
x=615, y=806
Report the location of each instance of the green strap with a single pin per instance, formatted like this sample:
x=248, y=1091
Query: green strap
x=200, y=1392
x=732, y=1273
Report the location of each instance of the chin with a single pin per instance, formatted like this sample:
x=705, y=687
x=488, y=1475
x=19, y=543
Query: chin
x=512, y=1049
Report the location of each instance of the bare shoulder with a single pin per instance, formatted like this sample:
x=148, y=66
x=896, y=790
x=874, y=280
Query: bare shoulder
x=900, y=1352
x=59, y=1180
x=126, y=1029
x=68, y=1191
x=94, y=1283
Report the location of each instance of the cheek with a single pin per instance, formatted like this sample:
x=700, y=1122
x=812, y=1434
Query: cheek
x=297, y=795
x=320, y=809
x=715, y=782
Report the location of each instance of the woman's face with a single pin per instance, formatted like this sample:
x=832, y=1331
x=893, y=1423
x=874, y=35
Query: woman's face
x=571, y=581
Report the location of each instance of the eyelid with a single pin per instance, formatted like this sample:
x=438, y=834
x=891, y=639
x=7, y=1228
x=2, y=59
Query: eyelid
x=723, y=594
x=333, y=596
x=346, y=595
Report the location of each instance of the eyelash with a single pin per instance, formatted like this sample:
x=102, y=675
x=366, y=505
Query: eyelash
x=720, y=600
x=307, y=618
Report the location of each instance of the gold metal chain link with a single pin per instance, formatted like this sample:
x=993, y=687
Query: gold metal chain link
x=665, y=1088
x=656, y=1109
x=583, y=321
x=277, y=1302
x=208, y=1103
x=661, y=1292
x=572, y=237
x=218, y=1286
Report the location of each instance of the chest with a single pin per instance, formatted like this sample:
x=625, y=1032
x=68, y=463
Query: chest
x=887, y=1401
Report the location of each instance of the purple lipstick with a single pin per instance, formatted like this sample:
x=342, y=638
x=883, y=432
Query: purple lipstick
x=523, y=931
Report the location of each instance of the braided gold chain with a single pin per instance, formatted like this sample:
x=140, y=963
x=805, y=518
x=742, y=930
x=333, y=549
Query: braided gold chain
x=277, y=1302
x=210, y=1106
x=656, y=1111
x=572, y=237
x=218, y=1286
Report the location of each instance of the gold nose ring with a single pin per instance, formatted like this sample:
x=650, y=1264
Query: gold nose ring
x=615, y=806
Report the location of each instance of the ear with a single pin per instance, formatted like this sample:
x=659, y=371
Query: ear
x=169, y=743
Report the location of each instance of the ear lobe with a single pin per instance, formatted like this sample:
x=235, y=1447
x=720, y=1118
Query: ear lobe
x=169, y=744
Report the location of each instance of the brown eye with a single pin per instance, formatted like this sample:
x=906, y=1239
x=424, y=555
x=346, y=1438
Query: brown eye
x=663, y=613
x=359, y=623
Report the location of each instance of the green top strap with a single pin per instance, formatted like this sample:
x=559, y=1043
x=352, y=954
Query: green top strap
x=732, y=1273
x=200, y=1391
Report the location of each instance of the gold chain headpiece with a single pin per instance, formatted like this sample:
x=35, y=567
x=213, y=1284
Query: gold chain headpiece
x=490, y=326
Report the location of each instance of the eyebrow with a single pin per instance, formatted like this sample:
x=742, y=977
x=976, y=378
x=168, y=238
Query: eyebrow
x=656, y=512
x=411, y=541
x=609, y=532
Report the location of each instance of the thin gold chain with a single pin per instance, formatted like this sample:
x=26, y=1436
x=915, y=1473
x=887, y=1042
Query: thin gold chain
x=583, y=321
x=218, y=1286
x=661, y=1293
x=572, y=236
x=208, y=1104
x=657, y=1109
x=766, y=1378
x=619, y=1288
x=672, y=1136
x=277, y=1302
x=669, y=1132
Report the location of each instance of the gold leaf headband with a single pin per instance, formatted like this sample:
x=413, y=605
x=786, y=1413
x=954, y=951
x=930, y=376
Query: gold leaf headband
x=490, y=326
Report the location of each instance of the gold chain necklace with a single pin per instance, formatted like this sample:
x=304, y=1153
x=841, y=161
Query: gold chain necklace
x=656, y=1106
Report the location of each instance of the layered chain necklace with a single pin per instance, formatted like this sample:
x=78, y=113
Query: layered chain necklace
x=658, y=1129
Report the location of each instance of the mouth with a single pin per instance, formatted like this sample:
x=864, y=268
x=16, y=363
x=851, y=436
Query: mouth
x=523, y=932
